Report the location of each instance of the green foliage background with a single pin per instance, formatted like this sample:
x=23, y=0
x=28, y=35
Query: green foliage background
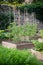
x=11, y=1
x=37, y=8
x=5, y=19
x=38, y=45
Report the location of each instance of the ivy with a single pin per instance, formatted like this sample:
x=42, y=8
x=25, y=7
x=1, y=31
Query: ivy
x=34, y=7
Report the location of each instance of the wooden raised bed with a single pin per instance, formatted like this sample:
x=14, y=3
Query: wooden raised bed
x=19, y=45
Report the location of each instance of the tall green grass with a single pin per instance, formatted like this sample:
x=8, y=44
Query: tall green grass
x=17, y=57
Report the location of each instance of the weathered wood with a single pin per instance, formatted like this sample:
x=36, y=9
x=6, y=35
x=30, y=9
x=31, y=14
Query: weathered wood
x=19, y=45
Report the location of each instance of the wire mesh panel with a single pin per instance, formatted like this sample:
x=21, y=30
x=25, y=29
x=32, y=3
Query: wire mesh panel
x=16, y=24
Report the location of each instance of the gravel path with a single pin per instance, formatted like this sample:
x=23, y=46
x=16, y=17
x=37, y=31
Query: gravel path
x=38, y=54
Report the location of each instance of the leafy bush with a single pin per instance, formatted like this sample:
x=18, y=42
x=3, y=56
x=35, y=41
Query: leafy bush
x=41, y=33
x=34, y=7
x=37, y=1
x=1, y=0
x=17, y=31
x=2, y=36
x=38, y=45
x=5, y=19
x=17, y=57
x=11, y=1
x=20, y=1
x=30, y=29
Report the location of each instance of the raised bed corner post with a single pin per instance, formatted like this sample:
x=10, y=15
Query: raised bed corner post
x=27, y=19
x=9, y=19
x=14, y=13
x=24, y=16
x=19, y=17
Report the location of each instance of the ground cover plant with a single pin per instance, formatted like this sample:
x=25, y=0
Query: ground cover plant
x=2, y=36
x=15, y=32
x=38, y=45
x=17, y=57
x=41, y=33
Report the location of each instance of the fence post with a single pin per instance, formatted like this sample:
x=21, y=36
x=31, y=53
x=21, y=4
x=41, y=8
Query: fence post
x=19, y=17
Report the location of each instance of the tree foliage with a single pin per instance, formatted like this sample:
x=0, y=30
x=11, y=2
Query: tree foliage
x=17, y=1
x=37, y=0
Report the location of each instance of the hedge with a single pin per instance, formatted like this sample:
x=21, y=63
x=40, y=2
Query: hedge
x=17, y=57
x=5, y=19
x=37, y=0
x=12, y=1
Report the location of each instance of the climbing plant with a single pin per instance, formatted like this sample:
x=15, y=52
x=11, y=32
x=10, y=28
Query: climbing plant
x=34, y=7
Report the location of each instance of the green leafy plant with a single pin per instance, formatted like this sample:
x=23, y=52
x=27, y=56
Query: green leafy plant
x=38, y=45
x=41, y=33
x=5, y=19
x=17, y=57
x=14, y=32
x=2, y=36
x=11, y=1
x=30, y=30
x=17, y=31
x=34, y=7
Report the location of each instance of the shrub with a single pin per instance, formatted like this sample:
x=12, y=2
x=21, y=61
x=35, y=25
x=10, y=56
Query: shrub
x=17, y=57
x=2, y=34
x=11, y=1
x=34, y=7
x=5, y=19
x=38, y=1
x=38, y=45
x=1, y=0
x=30, y=29
x=17, y=31
x=41, y=33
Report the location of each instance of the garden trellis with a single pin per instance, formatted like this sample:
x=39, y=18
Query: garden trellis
x=23, y=17
x=20, y=18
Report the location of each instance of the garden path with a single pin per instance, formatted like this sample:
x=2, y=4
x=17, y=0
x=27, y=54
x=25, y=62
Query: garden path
x=38, y=54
